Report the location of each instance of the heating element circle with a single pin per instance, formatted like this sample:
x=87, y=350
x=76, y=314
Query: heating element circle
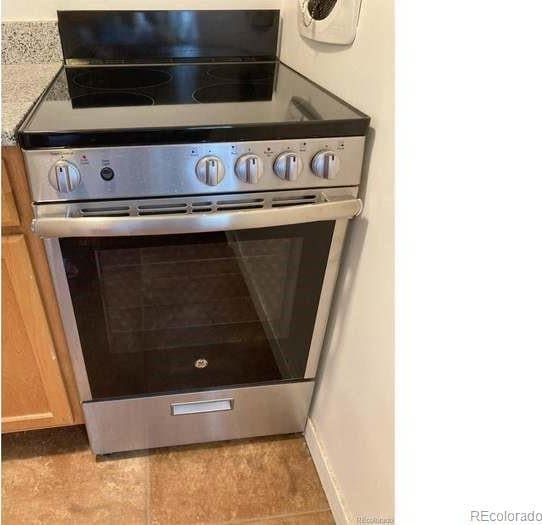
x=234, y=92
x=242, y=72
x=121, y=78
x=111, y=99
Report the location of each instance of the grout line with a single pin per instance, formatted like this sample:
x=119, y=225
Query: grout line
x=273, y=517
x=148, y=489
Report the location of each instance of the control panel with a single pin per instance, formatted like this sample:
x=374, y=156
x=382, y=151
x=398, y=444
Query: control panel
x=136, y=171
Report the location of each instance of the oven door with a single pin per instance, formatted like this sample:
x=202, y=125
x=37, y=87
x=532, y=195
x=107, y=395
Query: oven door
x=196, y=308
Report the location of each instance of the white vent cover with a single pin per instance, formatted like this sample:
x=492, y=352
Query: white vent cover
x=330, y=21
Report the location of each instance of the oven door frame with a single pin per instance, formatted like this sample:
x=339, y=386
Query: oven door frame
x=340, y=211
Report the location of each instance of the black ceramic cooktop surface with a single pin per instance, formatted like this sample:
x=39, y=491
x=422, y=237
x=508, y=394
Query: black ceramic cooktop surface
x=168, y=103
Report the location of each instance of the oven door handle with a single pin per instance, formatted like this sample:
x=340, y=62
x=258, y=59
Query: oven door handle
x=53, y=226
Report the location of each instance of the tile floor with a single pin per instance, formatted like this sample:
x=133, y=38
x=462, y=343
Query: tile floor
x=52, y=477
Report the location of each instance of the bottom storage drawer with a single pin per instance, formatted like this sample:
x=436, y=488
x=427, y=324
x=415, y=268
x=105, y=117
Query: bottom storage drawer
x=178, y=419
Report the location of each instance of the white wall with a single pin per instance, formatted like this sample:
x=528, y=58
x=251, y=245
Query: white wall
x=46, y=9
x=351, y=422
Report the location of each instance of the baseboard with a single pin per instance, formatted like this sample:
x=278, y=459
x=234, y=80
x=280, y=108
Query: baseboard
x=338, y=509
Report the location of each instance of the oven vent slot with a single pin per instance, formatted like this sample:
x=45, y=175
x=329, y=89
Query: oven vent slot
x=161, y=209
x=201, y=207
x=111, y=211
x=239, y=204
x=293, y=201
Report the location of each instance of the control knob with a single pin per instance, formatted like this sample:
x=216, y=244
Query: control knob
x=210, y=170
x=326, y=164
x=64, y=176
x=249, y=168
x=288, y=165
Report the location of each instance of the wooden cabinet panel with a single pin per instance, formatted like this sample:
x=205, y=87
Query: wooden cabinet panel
x=10, y=216
x=33, y=392
x=22, y=390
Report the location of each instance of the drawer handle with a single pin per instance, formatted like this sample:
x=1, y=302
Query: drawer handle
x=200, y=407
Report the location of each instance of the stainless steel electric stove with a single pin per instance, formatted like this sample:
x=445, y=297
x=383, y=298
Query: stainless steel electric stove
x=193, y=194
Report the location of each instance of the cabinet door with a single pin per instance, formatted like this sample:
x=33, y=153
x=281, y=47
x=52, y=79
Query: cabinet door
x=10, y=216
x=33, y=392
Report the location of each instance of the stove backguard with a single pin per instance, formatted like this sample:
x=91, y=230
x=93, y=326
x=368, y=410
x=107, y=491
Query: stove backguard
x=198, y=35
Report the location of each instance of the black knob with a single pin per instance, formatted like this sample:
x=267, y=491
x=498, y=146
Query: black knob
x=107, y=173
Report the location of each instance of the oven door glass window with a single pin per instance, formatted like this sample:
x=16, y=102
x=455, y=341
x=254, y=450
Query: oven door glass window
x=171, y=313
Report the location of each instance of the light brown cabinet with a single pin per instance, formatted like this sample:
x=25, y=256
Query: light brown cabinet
x=10, y=216
x=38, y=387
x=33, y=392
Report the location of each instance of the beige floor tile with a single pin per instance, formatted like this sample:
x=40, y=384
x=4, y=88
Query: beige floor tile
x=51, y=477
x=233, y=481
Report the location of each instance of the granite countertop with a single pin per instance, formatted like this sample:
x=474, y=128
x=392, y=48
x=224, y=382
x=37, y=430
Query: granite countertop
x=22, y=84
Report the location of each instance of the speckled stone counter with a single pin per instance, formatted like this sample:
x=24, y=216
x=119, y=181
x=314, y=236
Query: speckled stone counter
x=31, y=57
x=22, y=84
x=31, y=42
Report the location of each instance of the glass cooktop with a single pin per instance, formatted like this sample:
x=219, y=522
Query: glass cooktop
x=165, y=103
